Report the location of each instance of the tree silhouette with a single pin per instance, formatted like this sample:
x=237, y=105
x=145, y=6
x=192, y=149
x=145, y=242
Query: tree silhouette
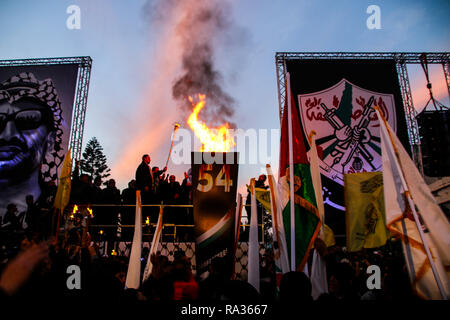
x=94, y=161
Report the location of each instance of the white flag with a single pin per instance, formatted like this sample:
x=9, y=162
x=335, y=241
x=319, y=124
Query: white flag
x=400, y=178
x=253, y=246
x=318, y=277
x=280, y=249
x=154, y=246
x=134, y=265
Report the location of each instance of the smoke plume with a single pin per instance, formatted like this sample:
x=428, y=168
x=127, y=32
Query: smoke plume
x=201, y=30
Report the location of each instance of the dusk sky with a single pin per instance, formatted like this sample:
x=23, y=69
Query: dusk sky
x=135, y=47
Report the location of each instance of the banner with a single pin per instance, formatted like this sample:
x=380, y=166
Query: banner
x=214, y=186
x=279, y=235
x=36, y=105
x=335, y=98
x=133, y=280
x=263, y=197
x=413, y=215
x=364, y=202
x=154, y=246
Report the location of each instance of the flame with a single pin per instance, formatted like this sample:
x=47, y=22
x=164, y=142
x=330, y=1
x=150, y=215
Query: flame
x=215, y=139
x=90, y=212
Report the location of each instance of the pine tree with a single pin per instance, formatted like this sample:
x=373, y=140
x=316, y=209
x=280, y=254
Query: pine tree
x=94, y=161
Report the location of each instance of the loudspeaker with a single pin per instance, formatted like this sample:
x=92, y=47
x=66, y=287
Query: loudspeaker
x=435, y=142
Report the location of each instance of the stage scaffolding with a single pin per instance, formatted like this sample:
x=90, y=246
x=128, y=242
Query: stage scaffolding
x=402, y=59
x=81, y=93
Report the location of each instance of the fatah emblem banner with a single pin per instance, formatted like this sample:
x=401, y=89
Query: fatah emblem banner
x=347, y=127
x=335, y=98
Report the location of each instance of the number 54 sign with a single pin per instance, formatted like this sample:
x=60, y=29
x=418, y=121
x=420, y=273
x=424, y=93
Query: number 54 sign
x=206, y=181
x=214, y=197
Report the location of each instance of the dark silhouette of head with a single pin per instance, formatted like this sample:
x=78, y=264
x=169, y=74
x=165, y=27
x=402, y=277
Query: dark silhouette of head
x=295, y=287
x=146, y=158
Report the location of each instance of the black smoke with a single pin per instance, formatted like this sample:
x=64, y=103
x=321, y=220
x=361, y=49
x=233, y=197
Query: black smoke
x=202, y=30
x=200, y=77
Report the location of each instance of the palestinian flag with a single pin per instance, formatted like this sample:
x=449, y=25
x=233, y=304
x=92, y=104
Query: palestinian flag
x=307, y=220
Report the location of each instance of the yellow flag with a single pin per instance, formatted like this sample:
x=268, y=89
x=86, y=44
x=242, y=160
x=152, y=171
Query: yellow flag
x=328, y=236
x=365, y=217
x=263, y=196
x=63, y=192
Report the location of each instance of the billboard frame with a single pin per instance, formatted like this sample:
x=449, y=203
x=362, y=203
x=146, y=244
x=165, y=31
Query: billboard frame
x=81, y=92
x=401, y=59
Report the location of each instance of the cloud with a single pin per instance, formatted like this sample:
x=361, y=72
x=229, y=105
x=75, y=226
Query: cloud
x=419, y=91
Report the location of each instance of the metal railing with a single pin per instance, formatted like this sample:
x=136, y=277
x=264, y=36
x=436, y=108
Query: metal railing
x=120, y=246
x=70, y=210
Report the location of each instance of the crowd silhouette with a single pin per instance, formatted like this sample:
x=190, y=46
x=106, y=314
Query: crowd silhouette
x=34, y=263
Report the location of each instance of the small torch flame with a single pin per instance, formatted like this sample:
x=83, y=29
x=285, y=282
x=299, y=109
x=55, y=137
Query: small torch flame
x=215, y=139
x=75, y=210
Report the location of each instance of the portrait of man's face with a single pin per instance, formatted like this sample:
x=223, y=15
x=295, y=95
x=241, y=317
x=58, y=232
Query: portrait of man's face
x=25, y=136
x=34, y=128
x=30, y=131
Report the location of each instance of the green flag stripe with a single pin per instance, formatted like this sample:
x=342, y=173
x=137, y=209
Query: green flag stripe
x=307, y=222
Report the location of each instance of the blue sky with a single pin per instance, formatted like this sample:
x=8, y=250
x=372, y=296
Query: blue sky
x=123, y=43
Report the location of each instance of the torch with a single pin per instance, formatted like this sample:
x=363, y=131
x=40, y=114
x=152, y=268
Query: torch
x=175, y=128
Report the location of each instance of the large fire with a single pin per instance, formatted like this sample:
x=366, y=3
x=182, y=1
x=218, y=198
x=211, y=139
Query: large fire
x=212, y=139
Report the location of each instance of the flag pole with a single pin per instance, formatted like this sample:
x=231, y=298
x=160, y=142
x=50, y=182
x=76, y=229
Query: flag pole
x=291, y=172
x=253, y=244
x=413, y=209
x=237, y=229
x=273, y=204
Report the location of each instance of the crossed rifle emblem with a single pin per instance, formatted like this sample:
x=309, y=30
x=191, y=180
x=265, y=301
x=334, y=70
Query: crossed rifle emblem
x=351, y=140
